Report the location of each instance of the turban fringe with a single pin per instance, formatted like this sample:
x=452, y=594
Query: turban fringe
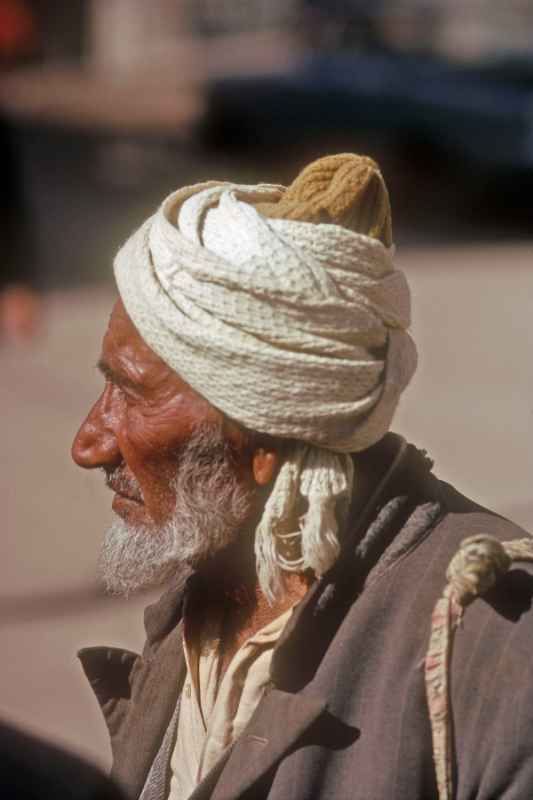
x=291, y=328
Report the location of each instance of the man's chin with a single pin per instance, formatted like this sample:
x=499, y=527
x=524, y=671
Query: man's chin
x=134, y=558
x=125, y=585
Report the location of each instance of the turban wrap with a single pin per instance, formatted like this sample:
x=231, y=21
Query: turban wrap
x=293, y=327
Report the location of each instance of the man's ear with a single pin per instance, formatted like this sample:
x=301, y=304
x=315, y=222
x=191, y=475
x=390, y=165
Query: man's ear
x=264, y=465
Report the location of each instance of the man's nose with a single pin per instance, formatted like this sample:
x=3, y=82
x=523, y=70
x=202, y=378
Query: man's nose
x=95, y=444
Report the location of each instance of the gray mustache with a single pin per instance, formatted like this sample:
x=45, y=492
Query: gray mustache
x=117, y=480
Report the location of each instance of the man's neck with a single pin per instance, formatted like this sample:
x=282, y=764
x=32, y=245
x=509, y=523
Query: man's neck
x=231, y=584
x=261, y=613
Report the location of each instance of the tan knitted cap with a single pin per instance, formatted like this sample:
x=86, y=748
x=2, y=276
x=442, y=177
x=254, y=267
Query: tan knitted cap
x=343, y=189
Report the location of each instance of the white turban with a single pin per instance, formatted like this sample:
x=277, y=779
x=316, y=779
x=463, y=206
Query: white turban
x=293, y=329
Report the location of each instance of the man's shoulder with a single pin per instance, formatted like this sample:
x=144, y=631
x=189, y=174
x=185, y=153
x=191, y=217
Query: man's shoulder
x=417, y=508
x=500, y=612
x=490, y=651
x=428, y=530
x=462, y=517
x=453, y=516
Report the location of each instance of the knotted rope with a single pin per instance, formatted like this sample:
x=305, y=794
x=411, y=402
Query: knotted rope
x=479, y=564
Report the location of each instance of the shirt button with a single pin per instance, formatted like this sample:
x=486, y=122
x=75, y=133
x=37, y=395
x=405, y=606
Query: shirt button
x=187, y=690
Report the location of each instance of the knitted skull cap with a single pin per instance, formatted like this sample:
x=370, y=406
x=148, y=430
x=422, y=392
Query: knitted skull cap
x=343, y=189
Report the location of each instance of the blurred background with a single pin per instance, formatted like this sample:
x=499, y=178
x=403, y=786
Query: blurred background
x=108, y=105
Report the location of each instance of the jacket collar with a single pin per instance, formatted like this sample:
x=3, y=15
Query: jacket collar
x=161, y=617
x=280, y=720
x=138, y=694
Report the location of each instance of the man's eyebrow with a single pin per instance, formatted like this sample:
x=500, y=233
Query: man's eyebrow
x=112, y=376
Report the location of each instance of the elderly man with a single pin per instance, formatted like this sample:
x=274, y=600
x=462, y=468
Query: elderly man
x=306, y=645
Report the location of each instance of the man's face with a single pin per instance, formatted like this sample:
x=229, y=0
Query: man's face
x=137, y=427
x=180, y=471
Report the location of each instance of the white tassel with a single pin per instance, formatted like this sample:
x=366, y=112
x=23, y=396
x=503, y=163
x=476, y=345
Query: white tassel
x=322, y=478
x=326, y=479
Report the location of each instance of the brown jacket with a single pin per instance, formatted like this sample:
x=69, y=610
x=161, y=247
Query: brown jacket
x=346, y=716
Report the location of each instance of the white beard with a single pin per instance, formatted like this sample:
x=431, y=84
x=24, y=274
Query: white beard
x=210, y=511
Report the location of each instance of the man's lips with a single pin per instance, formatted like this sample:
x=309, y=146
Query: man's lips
x=124, y=505
x=122, y=496
x=125, y=490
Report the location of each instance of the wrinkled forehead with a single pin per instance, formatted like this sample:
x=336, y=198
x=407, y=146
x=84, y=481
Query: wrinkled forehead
x=124, y=351
x=122, y=335
x=129, y=362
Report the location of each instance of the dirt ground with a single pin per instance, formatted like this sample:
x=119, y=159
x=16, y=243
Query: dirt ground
x=470, y=405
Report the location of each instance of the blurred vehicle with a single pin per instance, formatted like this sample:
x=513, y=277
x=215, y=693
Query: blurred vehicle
x=481, y=114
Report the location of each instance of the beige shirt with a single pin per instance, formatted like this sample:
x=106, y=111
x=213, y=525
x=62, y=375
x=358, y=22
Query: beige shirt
x=212, y=714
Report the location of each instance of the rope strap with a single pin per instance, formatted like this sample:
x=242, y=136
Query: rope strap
x=480, y=562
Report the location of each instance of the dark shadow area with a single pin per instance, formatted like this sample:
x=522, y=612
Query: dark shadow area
x=330, y=732
x=513, y=595
x=31, y=769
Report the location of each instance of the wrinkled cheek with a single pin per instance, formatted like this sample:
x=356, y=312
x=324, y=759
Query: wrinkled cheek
x=155, y=479
x=162, y=486
x=157, y=436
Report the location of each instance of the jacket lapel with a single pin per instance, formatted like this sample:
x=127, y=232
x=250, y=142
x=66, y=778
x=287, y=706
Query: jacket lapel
x=155, y=691
x=278, y=722
x=139, y=696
